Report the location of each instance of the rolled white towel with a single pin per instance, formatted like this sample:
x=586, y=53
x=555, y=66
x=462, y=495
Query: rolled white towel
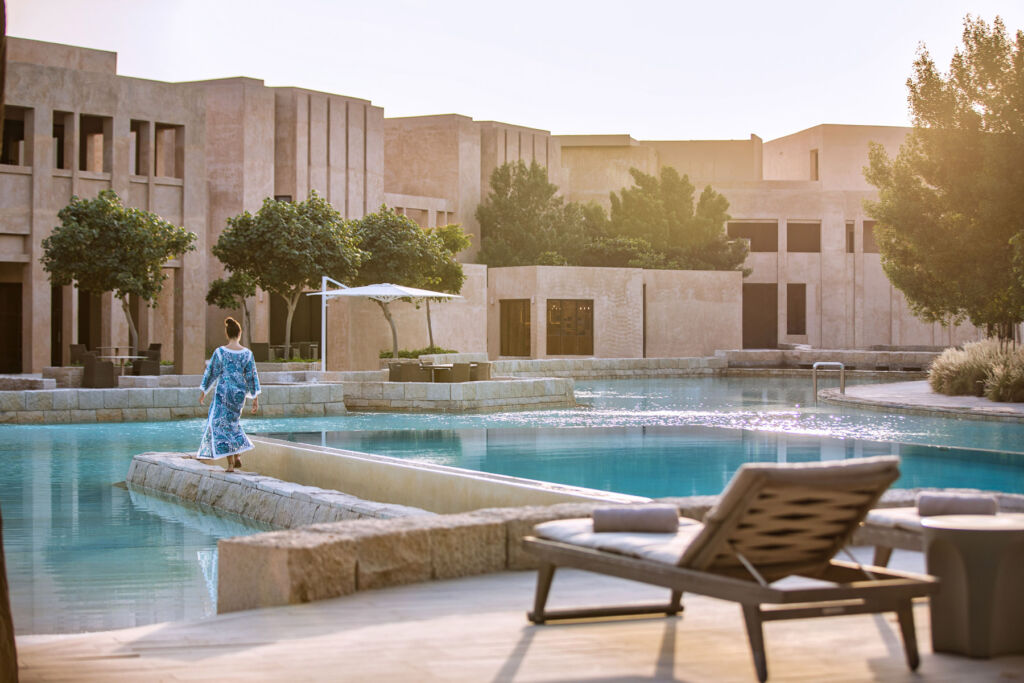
x=932, y=503
x=643, y=518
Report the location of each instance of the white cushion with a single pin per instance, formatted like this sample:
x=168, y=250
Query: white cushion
x=659, y=547
x=897, y=518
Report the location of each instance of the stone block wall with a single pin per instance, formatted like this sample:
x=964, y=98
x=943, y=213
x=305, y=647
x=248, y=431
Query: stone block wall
x=609, y=368
x=511, y=394
x=328, y=560
x=264, y=499
x=61, y=406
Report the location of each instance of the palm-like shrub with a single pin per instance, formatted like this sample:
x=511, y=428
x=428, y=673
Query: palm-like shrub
x=963, y=372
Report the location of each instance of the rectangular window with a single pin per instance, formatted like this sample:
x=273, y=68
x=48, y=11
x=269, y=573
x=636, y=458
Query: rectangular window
x=169, y=150
x=803, y=237
x=570, y=327
x=13, y=151
x=762, y=236
x=63, y=152
x=515, y=327
x=139, y=147
x=870, y=246
x=850, y=240
x=95, y=143
x=796, y=308
x=814, y=164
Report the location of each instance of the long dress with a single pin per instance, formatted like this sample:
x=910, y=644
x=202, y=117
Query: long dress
x=234, y=372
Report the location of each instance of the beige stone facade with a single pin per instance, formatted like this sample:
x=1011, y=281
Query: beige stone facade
x=199, y=153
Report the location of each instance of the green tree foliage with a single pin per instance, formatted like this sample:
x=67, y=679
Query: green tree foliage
x=104, y=246
x=286, y=247
x=951, y=202
x=523, y=217
x=444, y=272
x=402, y=253
x=661, y=211
x=230, y=293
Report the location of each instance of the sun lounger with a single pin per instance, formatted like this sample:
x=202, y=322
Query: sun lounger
x=772, y=522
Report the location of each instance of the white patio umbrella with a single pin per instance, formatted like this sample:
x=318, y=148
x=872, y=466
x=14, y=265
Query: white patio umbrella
x=384, y=292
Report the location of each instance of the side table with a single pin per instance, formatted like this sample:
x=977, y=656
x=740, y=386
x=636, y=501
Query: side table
x=979, y=559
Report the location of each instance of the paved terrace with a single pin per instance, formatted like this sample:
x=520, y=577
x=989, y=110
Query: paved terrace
x=475, y=629
x=919, y=399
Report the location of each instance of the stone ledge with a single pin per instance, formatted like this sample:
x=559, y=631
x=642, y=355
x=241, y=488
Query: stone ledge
x=264, y=499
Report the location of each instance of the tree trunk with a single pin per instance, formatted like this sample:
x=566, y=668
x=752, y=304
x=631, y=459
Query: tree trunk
x=248, y=323
x=133, y=332
x=430, y=327
x=394, y=332
x=293, y=303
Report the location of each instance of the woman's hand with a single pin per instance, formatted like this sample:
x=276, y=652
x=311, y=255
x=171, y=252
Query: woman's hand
x=202, y=397
x=255, y=404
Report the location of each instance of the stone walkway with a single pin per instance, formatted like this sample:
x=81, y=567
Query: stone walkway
x=918, y=398
x=475, y=629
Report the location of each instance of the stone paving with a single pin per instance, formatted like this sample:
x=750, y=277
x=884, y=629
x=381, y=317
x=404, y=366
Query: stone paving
x=919, y=399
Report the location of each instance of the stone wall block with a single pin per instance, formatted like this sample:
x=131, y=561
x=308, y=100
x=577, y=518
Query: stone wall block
x=282, y=569
x=39, y=400
x=115, y=398
x=260, y=505
x=134, y=414
x=140, y=398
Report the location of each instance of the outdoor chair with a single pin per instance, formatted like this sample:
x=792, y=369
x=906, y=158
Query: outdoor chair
x=260, y=351
x=772, y=521
x=98, y=374
x=303, y=350
x=460, y=372
x=150, y=365
x=395, y=372
x=414, y=372
x=443, y=375
x=479, y=371
x=75, y=353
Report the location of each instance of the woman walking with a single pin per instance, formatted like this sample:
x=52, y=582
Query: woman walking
x=233, y=369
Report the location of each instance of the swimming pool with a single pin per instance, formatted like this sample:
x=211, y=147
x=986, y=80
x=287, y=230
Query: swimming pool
x=83, y=554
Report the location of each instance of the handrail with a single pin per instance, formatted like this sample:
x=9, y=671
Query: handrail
x=828, y=364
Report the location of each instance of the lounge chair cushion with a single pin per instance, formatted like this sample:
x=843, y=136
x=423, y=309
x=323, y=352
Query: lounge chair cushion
x=646, y=518
x=659, y=547
x=931, y=503
x=907, y=519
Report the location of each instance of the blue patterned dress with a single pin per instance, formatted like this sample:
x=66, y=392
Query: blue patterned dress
x=235, y=375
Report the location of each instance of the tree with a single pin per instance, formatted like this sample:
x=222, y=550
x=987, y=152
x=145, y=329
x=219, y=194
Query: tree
x=444, y=273
x=950, y=203
x=105, y=246
x=399, y=252
x=286, y=247
x=230, y=293
x=523, y=218
x=661, y=211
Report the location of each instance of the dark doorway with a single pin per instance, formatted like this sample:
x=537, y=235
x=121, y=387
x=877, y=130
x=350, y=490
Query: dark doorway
x=305, y=324
x=760, y=316
x=56, y=320
x=10, y=327
x=570, y=327
x=89, y=321
x=515, y=327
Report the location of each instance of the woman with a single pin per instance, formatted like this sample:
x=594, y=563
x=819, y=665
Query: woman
x=233, y=368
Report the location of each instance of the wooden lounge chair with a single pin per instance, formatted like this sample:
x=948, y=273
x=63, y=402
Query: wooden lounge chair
x=771, y=522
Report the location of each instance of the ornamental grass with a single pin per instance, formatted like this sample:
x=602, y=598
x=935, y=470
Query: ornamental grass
x=963, y=372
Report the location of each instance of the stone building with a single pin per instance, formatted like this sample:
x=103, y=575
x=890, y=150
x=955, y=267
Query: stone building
x=198, y=153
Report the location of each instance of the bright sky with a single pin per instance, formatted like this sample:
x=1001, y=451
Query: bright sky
x=673, y=69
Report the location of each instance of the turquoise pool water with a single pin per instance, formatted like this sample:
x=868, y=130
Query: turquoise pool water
x=83, y=554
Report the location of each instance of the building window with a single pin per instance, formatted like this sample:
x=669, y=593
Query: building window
x=850, y=241
x=13, y=148
x=63, y=147
x=803, y=237
x=570, y=327
x=796, y=308
x=95, y=144
x=762, y=236
x=515, y=327
x=282, y=197
x=814, y=164
x=139, y=147
x=169, y=150
x=870, y=246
